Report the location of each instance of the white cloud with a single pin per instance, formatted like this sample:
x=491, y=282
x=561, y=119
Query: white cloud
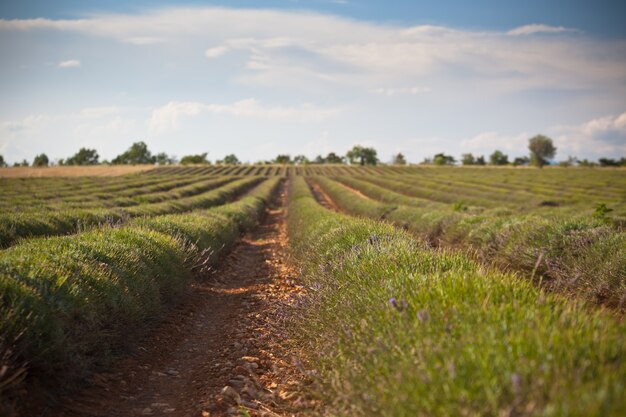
x=167, y=118
x=309, y=47
x=71, y=63
x=487, y=142
x=538, y=28
x=603, y=136
x=216, y=51
x=401, y=91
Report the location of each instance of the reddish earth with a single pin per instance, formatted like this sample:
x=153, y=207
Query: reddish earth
x=221, y=352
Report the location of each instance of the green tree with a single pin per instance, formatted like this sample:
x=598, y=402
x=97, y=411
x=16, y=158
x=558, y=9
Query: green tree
x=3, y=163
x=541, y=150
x=481, y=160
x=138, y=153
x=443, y=159
x=164, y=159
x=301, y=160
x=333, y=158
x=231, y=160
x=607, y=162
x=195, y=159
x=468, y=159
x=24, y=163
x=41, y=160
x=283, y=159
x=83, y=157
x=498, y=158
x=521, y=160
x=398, y=159
x=362, y=155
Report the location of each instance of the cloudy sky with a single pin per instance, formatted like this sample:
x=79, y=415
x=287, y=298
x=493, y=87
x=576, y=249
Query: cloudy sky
x=258, y=78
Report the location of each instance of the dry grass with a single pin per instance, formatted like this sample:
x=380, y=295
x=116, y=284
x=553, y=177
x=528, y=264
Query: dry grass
x=73, y=171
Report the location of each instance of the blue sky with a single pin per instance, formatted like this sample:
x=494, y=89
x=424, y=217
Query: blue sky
x=261, y=78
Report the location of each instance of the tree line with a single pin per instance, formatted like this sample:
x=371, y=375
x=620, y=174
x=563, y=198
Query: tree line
x=542, y=151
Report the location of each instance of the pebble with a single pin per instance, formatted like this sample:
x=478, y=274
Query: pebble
x=146, y=411
x=230, y=392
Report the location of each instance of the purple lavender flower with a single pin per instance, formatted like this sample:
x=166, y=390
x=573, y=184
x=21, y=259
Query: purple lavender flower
x=399, y=305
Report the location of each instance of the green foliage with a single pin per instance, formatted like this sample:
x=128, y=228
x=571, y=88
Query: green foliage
x=601, y=212
x=67, y=303
x=283, y=159
x=398, y=159
x=41, y=160
x=521, y=160
x=607, y=162
x=231, y=159
x=393, y=328
x=555, y=247
x=24, y=163
x=541, y=150
x=498, y=158
x=164, y=159
x=199, y=159
x=468, y=159
x=443, y=159
x=301, y=160
x=331, y=158
x=3, y=163
x=459, y=206
x=84, y=156
x=362, y=155
x=138, y=153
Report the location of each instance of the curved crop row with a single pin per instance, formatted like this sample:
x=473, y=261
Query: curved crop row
x=395, y=328
x=581, y=257
x=20, y=225
x=67, y=302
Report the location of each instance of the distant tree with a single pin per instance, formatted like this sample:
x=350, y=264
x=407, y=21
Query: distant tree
x=480, y=160
x=195, y=159
x=498, y=158
x=164, y=159
x=41, y=160
x=333, y=158
x=587, y=163
x=521, y=160
x=138, y=153
x=301, y=160
x=398, y=159
x=541, y=150
x=443, y=159
x=231, y=160
x=83, y=157
x=24, y=163
x=3, y=163
x=569, y=162
x=362, y=155
x=607, y=162
x=283, y=159
x=468, y=159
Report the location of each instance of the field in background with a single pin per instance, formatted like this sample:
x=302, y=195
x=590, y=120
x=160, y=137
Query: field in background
x=414, y=256
x=72, y=171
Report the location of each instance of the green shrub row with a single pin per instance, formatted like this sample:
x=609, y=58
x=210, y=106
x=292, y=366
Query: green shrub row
x=392, y=327
x=67, y=303
x=586, y=258
x=20, y=225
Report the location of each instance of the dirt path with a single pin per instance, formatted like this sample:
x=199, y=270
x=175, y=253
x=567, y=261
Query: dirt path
x=321, y=196
x=220, y=353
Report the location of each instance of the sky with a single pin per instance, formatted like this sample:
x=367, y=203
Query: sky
x=259, y=78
